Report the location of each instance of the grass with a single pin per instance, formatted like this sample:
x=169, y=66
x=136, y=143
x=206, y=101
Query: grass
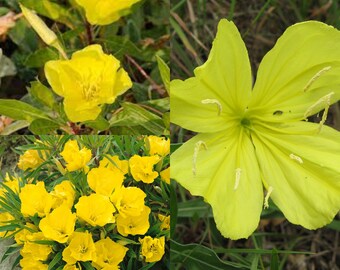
x=276, y=244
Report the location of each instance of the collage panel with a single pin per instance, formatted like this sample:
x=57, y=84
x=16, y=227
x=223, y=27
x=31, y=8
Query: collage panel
x=255, y=134
x=84, y=202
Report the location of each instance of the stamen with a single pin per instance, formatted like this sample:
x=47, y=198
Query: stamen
x=194, y=158
x=237, y=177
x=315, y=77
x=297, y=158
x=269, y=192
x=325, y=100
x=213, y=101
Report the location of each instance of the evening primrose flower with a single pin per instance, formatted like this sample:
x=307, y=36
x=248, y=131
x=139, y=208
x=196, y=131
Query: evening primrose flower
x=63, y=193
x=75, y=158
x=106, y=259
x=165, y=222
x=158, y=145
x=131, y=202
x=104, y=12
x=141, y=168
x=134, y=225
x=30, y=160
x=250, y=138
x=91, y=78
x=152, y=248
x=165, y=175
x=114, y=163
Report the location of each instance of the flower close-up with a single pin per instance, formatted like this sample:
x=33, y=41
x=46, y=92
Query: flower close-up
x=88, y=80
x=74, y=157
x=254, y=143
x=141, y=168
x=104, y=12
x=30, y=160
x=152, y=248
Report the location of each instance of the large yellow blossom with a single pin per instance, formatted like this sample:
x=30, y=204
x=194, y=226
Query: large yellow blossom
x=131, y=201
x=158, y=145
x=134, y=224
x=27, y=263
x=59, y=224
x=96, y=209
x=252, y=138
x=104, y=12
x=30, y=160
x=90, y=79
x=34, y=250
x=106, y=259
x=80, y=248
x=75, y=158
x=142, y=168
x=152, y=248
x=35, y=200
x=63, y=193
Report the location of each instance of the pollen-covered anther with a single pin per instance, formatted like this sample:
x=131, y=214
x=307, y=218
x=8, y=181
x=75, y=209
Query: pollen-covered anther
x=297, y=158
x=323, y=102
x=315, y=77
x=238, y=172
x=198, y=146
x=269, y=192
x=213, y=101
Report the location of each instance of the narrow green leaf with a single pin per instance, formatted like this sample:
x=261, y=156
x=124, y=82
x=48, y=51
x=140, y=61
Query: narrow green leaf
x=55, y=260
x=20, y=111
x=274, y=262
x=165, y=73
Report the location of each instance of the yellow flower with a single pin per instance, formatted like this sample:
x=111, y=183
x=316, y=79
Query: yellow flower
x=165, y=175
x=27, y=263
x=75, y=159
x=104, y=181
x=104, y=12
x=35, y=200
x=70, y=267
x=90, y=79
x=34, y=250
x=96, y=209
x=26, y=233
x=134, y=225
x=253, y=137
x=165, y=222
x=81, y=248
x=106, y=259
x=152, y=248
x=12, y=183
x=59, y=224
x=131, y=201
x=30, y=160
x=158, y=145
x=63, y=193
x=4, y=217
x=114, y=163
x=142, y=168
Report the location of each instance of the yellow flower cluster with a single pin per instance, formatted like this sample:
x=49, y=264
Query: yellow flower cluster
x=91, y=208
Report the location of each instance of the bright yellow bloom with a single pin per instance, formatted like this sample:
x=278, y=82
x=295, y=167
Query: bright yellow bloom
x=152, y=248
x=35, y=200
x=254, y=137
x=104, y=12
x=142, y=168
x=90, y=79
x=30, y=160
x=59, y=224
x=27, y=263
x=104, y=181
x=34, y=250
x=158, y=145
x=114, y=163
x=131, y=202
x=81, y=248
x=106, y=259
x=23, y=235
x=165, y=175
x=63, y=193
x=165, y=222
x=75, y=159
x=4, y=217
x=134, y=225
x=96, y=209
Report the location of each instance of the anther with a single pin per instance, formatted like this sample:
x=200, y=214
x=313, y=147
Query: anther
x=213, y=101
x=238, y=172
x=315, y=77
x=198, y=146
x=269, y=192
x=297, y=158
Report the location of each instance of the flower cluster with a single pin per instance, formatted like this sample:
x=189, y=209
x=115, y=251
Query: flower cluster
x=92, y=202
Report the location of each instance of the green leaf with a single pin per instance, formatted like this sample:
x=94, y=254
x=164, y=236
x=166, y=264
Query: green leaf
x=42, y=94
x=40, y=57
x=55, y=260
x=7, y=68
x=165, y=73
x=197, y=257
x=99, y=124
x=15, y=126
x=174, y=210
x=43, y=126
x=20, y=111
x=194, y=207
x=274, y=261
x=138, y=119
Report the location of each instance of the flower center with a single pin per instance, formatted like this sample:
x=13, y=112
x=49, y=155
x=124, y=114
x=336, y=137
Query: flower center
x=90, y=91
x=245, y=122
